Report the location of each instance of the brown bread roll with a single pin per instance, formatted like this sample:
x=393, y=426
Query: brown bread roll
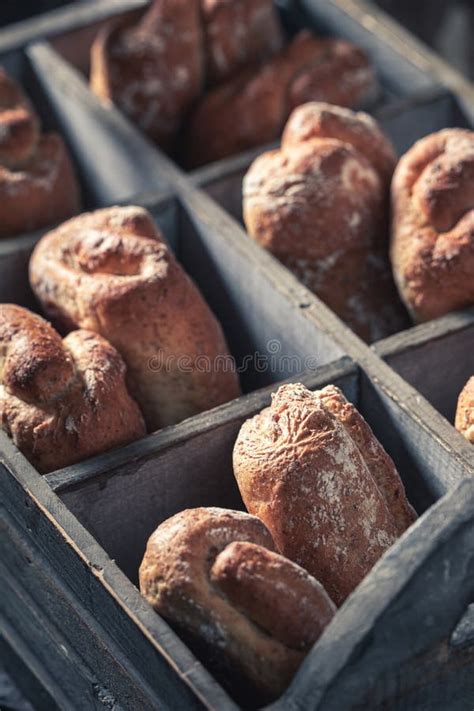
x=311, y=469
x=61, y=401
x=252, y=108
x=432, y=246
x=465, y=411
x=319, y=205
x=111, y=272
x=238, y=33
x=214, y=574
x=37, y=181
x=152, y=69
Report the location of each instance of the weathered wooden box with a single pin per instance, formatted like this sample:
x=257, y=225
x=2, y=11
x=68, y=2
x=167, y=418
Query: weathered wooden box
x=76, y=633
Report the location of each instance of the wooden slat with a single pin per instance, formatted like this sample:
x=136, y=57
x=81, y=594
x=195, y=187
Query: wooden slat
x=142, y=657
x=63, y=21
x=437, y=358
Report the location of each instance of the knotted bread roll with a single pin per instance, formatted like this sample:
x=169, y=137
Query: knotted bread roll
x=152, y=69
x=214, y=574
x=61, y=401
x=111, y=272
x=238, y=34
x=465, y=411
x=432, y=247
x=319, y=204
x=37, y=181
x=252, y=108
x=311, y=469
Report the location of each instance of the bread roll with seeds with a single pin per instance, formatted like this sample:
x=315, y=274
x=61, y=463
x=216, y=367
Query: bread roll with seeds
x=311, y=469
x=319, y=204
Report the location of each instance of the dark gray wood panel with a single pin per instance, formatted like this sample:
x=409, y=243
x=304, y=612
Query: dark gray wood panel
x=437, y=358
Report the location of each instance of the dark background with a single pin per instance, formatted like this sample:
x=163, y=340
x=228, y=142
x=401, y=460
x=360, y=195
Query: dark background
x=445, y=25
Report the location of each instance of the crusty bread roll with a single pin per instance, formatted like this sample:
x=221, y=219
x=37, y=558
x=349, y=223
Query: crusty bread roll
x=311, y=469
x=432, y=246
x=152, y=69
x=319, y=205
x=61, y=401
x=37, y=181
x=251, y=109
x=214, y=574
x=111, y=272
x=238, y=33
x=465, y=411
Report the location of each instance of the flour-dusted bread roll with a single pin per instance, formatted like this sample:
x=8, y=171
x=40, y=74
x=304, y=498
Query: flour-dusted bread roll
x=37, y=181
x=215, y=574
x=432, y=247
x=111, y=272
x=311, y=469
x=319, y=204
x=61, y=401
x=252, y=108
x=238, y=33
x=152, y=69
x=465, y=411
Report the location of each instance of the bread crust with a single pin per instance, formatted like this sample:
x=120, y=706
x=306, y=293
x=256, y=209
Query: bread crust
x=214, y=573
x=465, y=411
x=110, y=271
x=432, y=245
x=37, y=182
x=319, y=205
x=152, y=69
x=311, y=469
x=238, y=33
x=61, y=401
x=251, y=109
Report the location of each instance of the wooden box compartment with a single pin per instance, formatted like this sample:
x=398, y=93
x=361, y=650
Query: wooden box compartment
x=399, y=74
x=436, y=358
x=405, y=122
x=72, y=540
x=249, y=303
x=403, y=640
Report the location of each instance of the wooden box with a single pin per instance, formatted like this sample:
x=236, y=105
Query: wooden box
x=75, y=631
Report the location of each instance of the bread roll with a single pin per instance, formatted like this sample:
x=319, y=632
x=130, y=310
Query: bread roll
x=214, y=574
x=61, y=401
x=111, y=272
x=37, y=181
x=465, y=411
x=252, y=108
x=152, y=69
x=432, y=246
x=311, y=469
x=238, y=33
x=319, y=205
